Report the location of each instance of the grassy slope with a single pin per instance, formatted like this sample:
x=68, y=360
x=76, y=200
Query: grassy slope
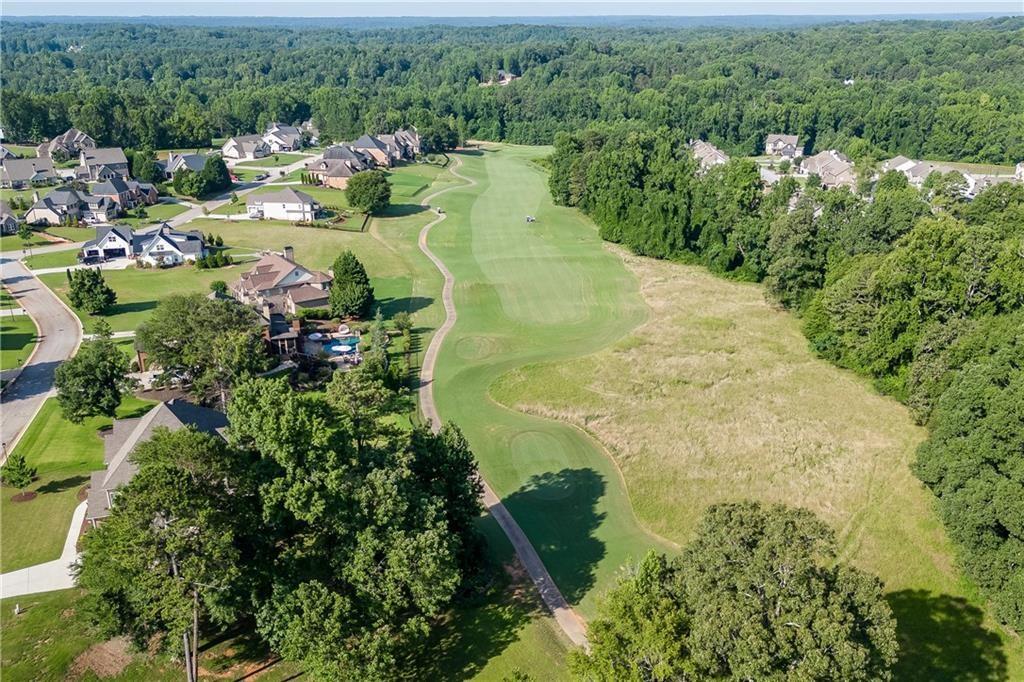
x=155, y=214
x=17, y=339
x=527, y=293
x=275, y=160
x=64, y=454
x=35, y=650
x=717, y=398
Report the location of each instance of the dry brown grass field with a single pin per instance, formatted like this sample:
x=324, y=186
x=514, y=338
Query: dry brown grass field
x=716, y=397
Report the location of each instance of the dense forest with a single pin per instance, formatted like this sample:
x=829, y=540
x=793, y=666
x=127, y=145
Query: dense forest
x=924, y=89
x=918, y=289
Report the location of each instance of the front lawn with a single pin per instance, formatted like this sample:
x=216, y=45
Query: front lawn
x=17, y=339
x=12, y=243
x=64, y=454
x=53, y=259
x=294, y=176
x=283, y=159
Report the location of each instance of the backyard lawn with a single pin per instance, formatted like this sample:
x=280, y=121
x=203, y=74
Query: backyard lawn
x=64, y=454
x=17, y=339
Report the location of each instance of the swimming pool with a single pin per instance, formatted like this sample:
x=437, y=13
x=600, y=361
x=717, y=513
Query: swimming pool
x=346, y=344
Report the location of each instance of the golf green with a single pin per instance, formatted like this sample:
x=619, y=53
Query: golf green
x=528, y=292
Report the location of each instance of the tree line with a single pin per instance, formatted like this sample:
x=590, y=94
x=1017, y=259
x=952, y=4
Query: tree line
x=946, y=90
x=920, y=290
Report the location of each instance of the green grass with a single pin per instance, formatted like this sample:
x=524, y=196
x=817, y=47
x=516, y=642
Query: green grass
x=22, y=150
x=139, y=290
x=154, y=214
x=25, y=194
x=53, y=259
x=64, y=454
x=526, y=293
x=44, y=641
x=283, y=159
x=246, y=174
x=6, y=300
x=12, y=243
x=17, y=339
x=719, y=399
x=294, y=176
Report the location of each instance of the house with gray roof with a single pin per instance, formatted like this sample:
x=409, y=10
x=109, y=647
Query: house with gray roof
x=245, y=147
x=378, y=149
x=19, y=173
x=286, y=204
x=357, y=159
x=126, y=194
x=64, y=205
x=785, y=146
x=177, y=162
x=102, y=163
x=9, y=222
x=282, y=138
x=6, y=153
x=127, y=434
x=163, y=248
x=66, y=146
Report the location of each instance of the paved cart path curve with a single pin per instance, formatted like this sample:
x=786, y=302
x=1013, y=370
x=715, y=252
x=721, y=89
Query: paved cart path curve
x=566, y=617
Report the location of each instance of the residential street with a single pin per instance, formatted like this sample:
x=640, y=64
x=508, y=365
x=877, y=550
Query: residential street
x=59, y=336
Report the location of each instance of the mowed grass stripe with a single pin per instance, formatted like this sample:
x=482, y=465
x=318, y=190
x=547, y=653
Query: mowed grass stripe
x=526, y=293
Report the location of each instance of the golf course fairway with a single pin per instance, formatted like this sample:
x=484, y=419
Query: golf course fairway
x=529, y=292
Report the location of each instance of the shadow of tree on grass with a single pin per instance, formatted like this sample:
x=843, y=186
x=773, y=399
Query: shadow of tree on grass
x=558, y=512
x=944, y=638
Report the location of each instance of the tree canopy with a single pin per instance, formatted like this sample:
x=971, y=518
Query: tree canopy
x=756, y=595
x=369, y=191
x=341, y=535
x=94, y=381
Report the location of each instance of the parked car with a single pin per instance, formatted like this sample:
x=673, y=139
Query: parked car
x=261, y=176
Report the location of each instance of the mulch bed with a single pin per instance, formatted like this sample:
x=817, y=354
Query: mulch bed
x=83, y=493
x=24, y=497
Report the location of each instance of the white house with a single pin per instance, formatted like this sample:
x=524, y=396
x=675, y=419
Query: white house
x=288, y=204
x=245, y=147
x=162, y=248
x=282, y=138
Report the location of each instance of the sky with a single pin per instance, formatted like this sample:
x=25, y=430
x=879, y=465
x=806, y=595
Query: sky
x=432, y=8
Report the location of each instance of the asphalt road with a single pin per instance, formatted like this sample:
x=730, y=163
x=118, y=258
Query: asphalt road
x=59, y=336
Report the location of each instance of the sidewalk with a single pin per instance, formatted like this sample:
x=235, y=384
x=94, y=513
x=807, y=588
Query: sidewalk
x=49, y=576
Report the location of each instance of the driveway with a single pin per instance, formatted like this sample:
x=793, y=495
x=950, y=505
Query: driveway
x=59, y=335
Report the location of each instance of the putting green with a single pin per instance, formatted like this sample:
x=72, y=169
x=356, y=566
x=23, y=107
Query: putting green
x=525, y=293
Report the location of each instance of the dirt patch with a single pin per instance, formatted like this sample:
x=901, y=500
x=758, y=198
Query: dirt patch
x=83, y=493
x=104, y=660
x=26, y=496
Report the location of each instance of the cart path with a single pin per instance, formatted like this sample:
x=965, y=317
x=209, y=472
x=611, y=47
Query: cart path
x=566, y=617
